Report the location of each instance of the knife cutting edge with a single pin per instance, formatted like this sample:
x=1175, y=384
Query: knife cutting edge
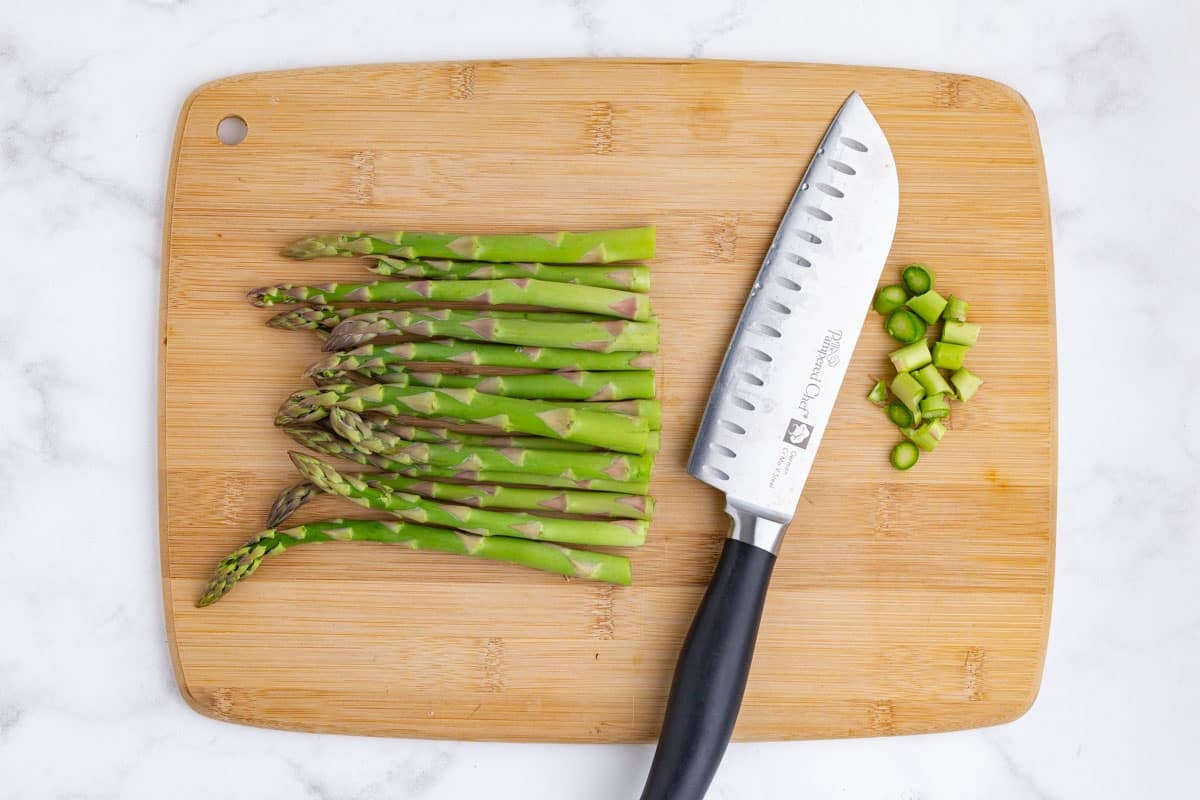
x=765, y=420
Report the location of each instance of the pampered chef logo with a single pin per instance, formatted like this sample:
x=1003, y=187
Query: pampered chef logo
x=798, y=434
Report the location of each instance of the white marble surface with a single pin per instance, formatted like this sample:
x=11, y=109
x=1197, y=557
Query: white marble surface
x=88, y=103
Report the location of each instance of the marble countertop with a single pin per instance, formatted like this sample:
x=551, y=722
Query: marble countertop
x=88, y=104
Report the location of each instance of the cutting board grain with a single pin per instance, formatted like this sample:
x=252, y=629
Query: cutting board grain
x=902, y=603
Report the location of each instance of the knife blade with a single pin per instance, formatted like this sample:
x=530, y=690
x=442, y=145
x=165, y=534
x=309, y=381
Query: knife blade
x=766, y=417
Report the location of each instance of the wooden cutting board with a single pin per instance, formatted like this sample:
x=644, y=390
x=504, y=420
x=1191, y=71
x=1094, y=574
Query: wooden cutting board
x=902, y=602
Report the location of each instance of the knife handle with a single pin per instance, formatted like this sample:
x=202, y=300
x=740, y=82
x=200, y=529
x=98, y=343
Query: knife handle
x=710, y=676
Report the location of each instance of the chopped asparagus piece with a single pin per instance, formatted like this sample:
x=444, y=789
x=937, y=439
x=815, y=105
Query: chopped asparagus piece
x=927, y=436
x=928, y=306
x=899, y=414
x=879, y=393
x=905, y=455
x=966, y=384
x=932, y=381
x=889, y=299
x=905, y=326
x=909, y=391
x=935, y=406
x=911, y=357
x=956, y=309
x=949, y=356
x=918, y=278
x=964, y=333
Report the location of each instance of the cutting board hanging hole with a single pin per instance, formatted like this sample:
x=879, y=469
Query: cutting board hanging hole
x=232, y=130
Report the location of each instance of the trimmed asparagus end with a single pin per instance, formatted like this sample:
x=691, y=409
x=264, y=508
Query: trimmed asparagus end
x=905, y=455
x=879, y=393
x=911, y=357
x=932, y=381
x=928, y=306
x=900, y=416
x=956, y=309
x=949, y=356
x=966, y=384
x=927, y=436
x=918, y=278
x=964, y=333
x=889, y=299
x=935, y=406
x=905, y=326
x=909, y=392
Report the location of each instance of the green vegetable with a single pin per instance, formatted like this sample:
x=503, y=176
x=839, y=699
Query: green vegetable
x=966, y=384
x=905, y=455
x=909, y=392
x=567, y=501
x=905, y=326
x=879, y=393
x=899, y=414
x=956, y=309
x=949, y=356
x=373, y=359
x=889, y=299
x=935, y=406
x=927, y=436
x=596, y=247
x=630, y=277
x=928, y=306
x=243, y=562
x=592, y=386
x=964, y=333
x=911, y=356
x=918, y=279
x=931, y=380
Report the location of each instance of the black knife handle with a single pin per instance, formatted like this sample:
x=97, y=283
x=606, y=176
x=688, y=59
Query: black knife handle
x=710, y=677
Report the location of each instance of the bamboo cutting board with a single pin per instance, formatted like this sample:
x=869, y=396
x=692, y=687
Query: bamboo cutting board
x=902, y=602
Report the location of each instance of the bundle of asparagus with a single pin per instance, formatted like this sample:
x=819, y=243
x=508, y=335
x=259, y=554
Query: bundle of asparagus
x=545, y=445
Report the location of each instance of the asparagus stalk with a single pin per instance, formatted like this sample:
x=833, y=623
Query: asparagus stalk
x=935, y=406
x=956, y=309
x=927, y=436
x=911, y=356
x=879, y=393
x=631, y=277
x=533, y=330
x=909, y=391
x=928, y=306
x=931, y=380
x=414, y=508
x=918, y=279
x=903, y=326
x=949, y=356
x=326, y=443
x=905, y=455
x=597, y=247
x=966, y=383
x=889, y=299
x=243, y=562
x=417, y=433
x=596, y=504
x=327, y=316
x=375, y=359
x=290, y=499
x=591, y=386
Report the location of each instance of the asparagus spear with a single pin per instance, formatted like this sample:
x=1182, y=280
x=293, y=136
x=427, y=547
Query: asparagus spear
x=290, y=499
x=597, y=504
x=414, y=508
x=532, y=329
x=375, y=359
x=417, y=433
x=602, y=428
x=592, y=386
x=631, y=277
x=596, y=247
x=243, y=562
x=326, y=443
x=566, y=464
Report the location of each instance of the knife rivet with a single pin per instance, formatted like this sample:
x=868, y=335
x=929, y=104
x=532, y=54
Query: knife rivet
x=804, y=187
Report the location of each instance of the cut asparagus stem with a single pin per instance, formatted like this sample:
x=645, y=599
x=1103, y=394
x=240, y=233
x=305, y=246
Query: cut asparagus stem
x=607, y=429
x=949, y=356
x=532, y=330
x=964, y=333
x=911, y=357
x=956, y=309
x=591, y=386
x=918, y=279
x=243, y=562
x=927, y=436
x=900, y=416
x=966, y=384
x=596, y=504
x=935, y=406
x=326, y=443
x=905, y=455
x=909, y=392
x=373, y=359
x=629, y=277
x=903, y=326
x=928, y=306
x=414, y=508
x=289, y=500
x=511, y=291
x=879, y=393
x=889, y=299
x=562, y=463
x=931, y=380
x=596, y=247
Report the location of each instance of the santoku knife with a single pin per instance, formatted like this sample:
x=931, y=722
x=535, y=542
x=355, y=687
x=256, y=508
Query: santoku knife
x=765, y=418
